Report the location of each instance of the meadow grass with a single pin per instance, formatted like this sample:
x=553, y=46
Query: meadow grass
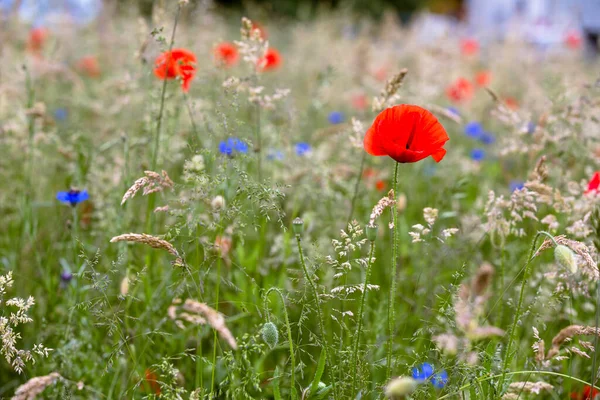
x=248, y=204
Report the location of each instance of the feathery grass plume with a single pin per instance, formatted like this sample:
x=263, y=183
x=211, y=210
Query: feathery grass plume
x=388, y=93
x=9, y=323
x=35, y=386
x=385, y=202
x=151, y=183
x=567, y=334
x=214, y=318
x=151, y=241
x=517, y=388
x=400, y=387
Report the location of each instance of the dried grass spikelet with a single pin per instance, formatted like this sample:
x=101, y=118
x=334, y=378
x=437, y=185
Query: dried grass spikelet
x=389, y=91
x=151, y=241
x=151, y=183
x=530, y=387
x=482, y=279
x=445, y=113
x=566, y=334
x=587, y=263
x=382, y=204
x=540, y=172
x=33, y=387
x=197, y=313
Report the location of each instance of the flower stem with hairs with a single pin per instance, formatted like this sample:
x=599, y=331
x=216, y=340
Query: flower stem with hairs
x=391, y=310
x=319, y=314
x=289, y=334
x=354, y=363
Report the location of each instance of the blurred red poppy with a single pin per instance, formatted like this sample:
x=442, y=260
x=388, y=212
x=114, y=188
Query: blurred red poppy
x=381, y=74
x=594, y=184
x=573, y=40
x=588, y=393
x=483, y=78
x=226, y=54
x=271, y=60
x=369, y=173
x=380, y=185
x=359, y=101
x=469, y=47
x=89, y=65
x=177, y=63
x=406, y=133
x=460, y=90
x=511, y=103
x=37, y=37
x=152, y=381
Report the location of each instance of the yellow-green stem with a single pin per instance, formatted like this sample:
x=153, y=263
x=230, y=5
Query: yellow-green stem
x=391, y=308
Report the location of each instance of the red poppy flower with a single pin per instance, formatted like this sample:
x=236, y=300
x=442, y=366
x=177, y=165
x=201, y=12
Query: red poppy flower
x=177, y=63
x=89, y=65
x=483, y=78
x=511, y=103
x=37, y=37
x=359, y=101
x=469, y=47
x=271, y=60
x=407, y=134
x=226, y=54
x=152, y=381
x=380, y=185
x=573, y=40
x=381, y=74
x=588, y=393
x=594, y=184
x=460, y=90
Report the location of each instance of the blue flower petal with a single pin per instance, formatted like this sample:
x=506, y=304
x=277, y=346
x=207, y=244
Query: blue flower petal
x=63, y=196
x=474, y=129
x=454, y=111
x=487, y=138
x=302, y=148
x=440, y=379
x=336, y=117
x=82, y=196
x=422, y=373
x=477, y=154
x=516, y=185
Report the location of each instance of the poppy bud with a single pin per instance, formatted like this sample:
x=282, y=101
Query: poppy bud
x=371, y=231
x=270, y=334
x=298, y=226
x=565, y=257
x=400, y=387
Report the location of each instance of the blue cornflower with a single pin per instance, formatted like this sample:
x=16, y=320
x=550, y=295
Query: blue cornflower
x=336, y=117
x=474, y=129
x=422, y=373
x=275, y=155
x=531, y=127
x=72, y=197
x=477, y=154
x=516, y=185
x=440, y=379
x=487, y=138
x=233, y=144
x=302, y=148
x=60, y=114
x=66, y=276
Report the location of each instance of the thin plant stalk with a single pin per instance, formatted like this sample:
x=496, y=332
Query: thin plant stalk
x=289, y=333
x=391, y=308
x=597, y=323
x=319, y=314
x=508, y=357
x=215, y=339
x=356, y=186
x=360, y=318
x=258, y=142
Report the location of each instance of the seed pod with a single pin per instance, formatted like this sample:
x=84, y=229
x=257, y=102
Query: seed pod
x=565, y=257
x=270, y=334
x=371, y=231
x=298, y=226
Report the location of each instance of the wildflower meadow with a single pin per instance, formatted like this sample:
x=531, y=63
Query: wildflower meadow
x=204, y=205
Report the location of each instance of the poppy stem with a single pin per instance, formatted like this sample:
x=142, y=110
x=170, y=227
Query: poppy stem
x=319, y=314
x=191, y=114
x=293, y=394
x=258, y=142
x=507, y=356
x=354, y=363
x=391, y=308
x=356, y=186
